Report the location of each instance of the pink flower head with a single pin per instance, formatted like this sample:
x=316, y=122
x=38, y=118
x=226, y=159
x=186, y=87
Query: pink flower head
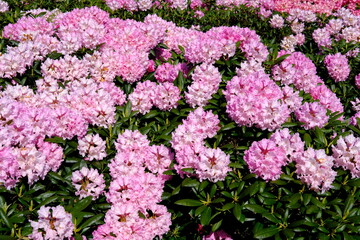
x=88, y=182
x=312, y=114
x=338, y=66
x=127, y=163
x=357, y=81
x=131, y=141
x=166, y=72
x=92, y=147
x=158, y=158
x=277, y=21
x=292, y=144
x=327, y=98
x=346, y=154
x=141, y=189
x=213, y=165
x=4, y=6
x=9, y=168
x=54, y=223
x=166, y=96
x=218, y=235
x=206, y=82
x=263, y=154
x=142, y=97
x=314, y=168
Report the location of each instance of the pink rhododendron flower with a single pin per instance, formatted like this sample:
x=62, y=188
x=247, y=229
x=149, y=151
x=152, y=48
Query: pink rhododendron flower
x=88, y=182
x=253, y=99
x=357, y=81
x=314, y=168
x=166, y=96
x=4, y=6
x=9, y=168
x=277, y=21
x=218, y=235
x=312, y=114
x=290, y=143
x=53, y=224
x=92, y=147
x=338, y=66
x=346, y=154
x=140, y=189
x=263, y=154
x=212, y=165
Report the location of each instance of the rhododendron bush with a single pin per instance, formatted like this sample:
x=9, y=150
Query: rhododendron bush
x=179, y=119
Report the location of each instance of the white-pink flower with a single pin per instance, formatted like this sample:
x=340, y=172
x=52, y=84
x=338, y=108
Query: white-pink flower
x=88, y=182
x=54, y=224
x=92, y=147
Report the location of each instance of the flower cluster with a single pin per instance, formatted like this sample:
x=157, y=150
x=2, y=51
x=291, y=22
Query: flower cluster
x=253, y=99
x=263, y=154
x=135, y=191
x=314, y=168
x=88, y=182
x=221, y=235
x=338, y=66
x=206, y=81
x=300, y=71
x=346, y=154
x=148, y=94
x=280, y=149
x=4, y=6
x=92, y=147
x=357, y=81
x=168, y=73
x=312, y=114
x=188, y=142
x=54, y=223
x=344, y=26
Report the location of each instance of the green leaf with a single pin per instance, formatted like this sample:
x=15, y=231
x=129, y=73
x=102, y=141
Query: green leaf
x=317, y=202
x=78, y=237
x=347, y=236
x=47, y=201
x=55, y=140
x=251, y=190
x=354, y=182
x=289, y=124
x=280, y=59
x=92, y=221
x=128, y=109
x=228, y=126
x=188, y=202
x=289, y=233
x=227, y=206
x=5, y=219
x=266, y=232
x=307, y=139
x=176, y=190
x=199, y=210
x=188, y=170
x=271, y=217
x=205, y=216
x=355, y=129
x=237, y=211
x=255, y=208
x=151, y=114
x=81, y=205
x=188, y=182
x=349, y=203
x=4, y=237
x=216, y=226
x=320, y=136
x=180, y=81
